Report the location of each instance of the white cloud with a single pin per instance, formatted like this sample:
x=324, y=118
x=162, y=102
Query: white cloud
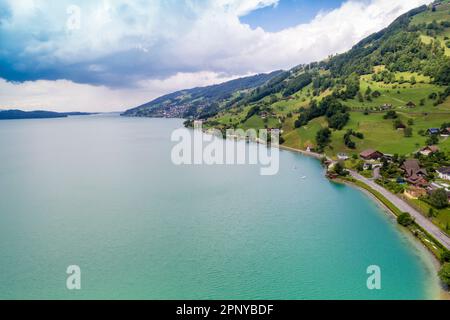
x=64, y=95
x=129, y=44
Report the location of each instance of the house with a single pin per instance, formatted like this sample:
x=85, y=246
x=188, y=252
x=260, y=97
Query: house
x=342, y=156
x=411, y=104
x=444, y=173
x=414, y=174
x=426, y=151
x=415, y=192
x=445, y=132
x=371, y=154
x=433, y=131
x=385, y=106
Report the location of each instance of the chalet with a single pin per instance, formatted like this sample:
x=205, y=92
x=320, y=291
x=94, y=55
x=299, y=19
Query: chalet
x=410, y=104
x=426, y=151
x=414, y=174
x=371, y=154
x=445, y=132
x=433, y=131
x=385, y=106
x=400, y=126
x=263, y=115
x=444, y=173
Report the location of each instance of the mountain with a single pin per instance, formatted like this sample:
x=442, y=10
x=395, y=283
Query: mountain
x=40, y=114
x=384, y=93
x=199, y=102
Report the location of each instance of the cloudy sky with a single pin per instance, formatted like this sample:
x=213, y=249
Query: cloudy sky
x=110, y=55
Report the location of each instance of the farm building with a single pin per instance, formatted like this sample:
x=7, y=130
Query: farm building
x=433, y=131
x=371, y=154
x=444, y=173
x=426, y=151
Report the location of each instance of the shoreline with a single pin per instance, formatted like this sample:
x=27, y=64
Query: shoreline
x=429, y=257
x=433, y=262
x=423, y=250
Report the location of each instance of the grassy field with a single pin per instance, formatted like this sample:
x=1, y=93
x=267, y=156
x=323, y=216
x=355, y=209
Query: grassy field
x=398, y=95
x=380, y=134
x=442, y=218
x=302, y=137
x=426, y=17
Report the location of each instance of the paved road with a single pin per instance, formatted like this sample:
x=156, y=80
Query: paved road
x=404, y=207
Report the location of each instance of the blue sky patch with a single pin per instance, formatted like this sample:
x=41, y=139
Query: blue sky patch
x=288, y=13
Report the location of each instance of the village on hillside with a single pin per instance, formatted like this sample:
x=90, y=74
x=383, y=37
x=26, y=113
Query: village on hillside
x=422, y=179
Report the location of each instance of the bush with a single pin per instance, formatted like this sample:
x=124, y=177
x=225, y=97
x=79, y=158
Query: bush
x=438, y=199
x=405, y=219
x=445, y=256
x=444, y=273
x=390, y=115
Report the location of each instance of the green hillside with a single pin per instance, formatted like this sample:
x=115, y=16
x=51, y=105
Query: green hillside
x=404, y=68
x=200, y=102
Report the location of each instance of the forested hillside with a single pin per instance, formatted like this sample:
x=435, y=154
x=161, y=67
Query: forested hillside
x=200, y=102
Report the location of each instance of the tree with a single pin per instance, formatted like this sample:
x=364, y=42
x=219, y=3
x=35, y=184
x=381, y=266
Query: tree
x=432, y=140
x=439, y=199
x=444, y=274
x=443, y=75
x=390, y=115
x=339, y=169
x=405, y=219
x=323, y=138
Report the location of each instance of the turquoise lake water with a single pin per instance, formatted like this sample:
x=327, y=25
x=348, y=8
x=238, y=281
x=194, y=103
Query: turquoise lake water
x=101, y=192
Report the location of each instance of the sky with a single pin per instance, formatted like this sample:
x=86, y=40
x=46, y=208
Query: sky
x=111, y=55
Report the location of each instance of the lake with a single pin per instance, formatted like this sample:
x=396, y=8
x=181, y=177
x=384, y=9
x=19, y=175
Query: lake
x=102, y=193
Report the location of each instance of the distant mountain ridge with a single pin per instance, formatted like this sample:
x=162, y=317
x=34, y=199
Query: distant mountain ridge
x=38, y=114
x=200, y=101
